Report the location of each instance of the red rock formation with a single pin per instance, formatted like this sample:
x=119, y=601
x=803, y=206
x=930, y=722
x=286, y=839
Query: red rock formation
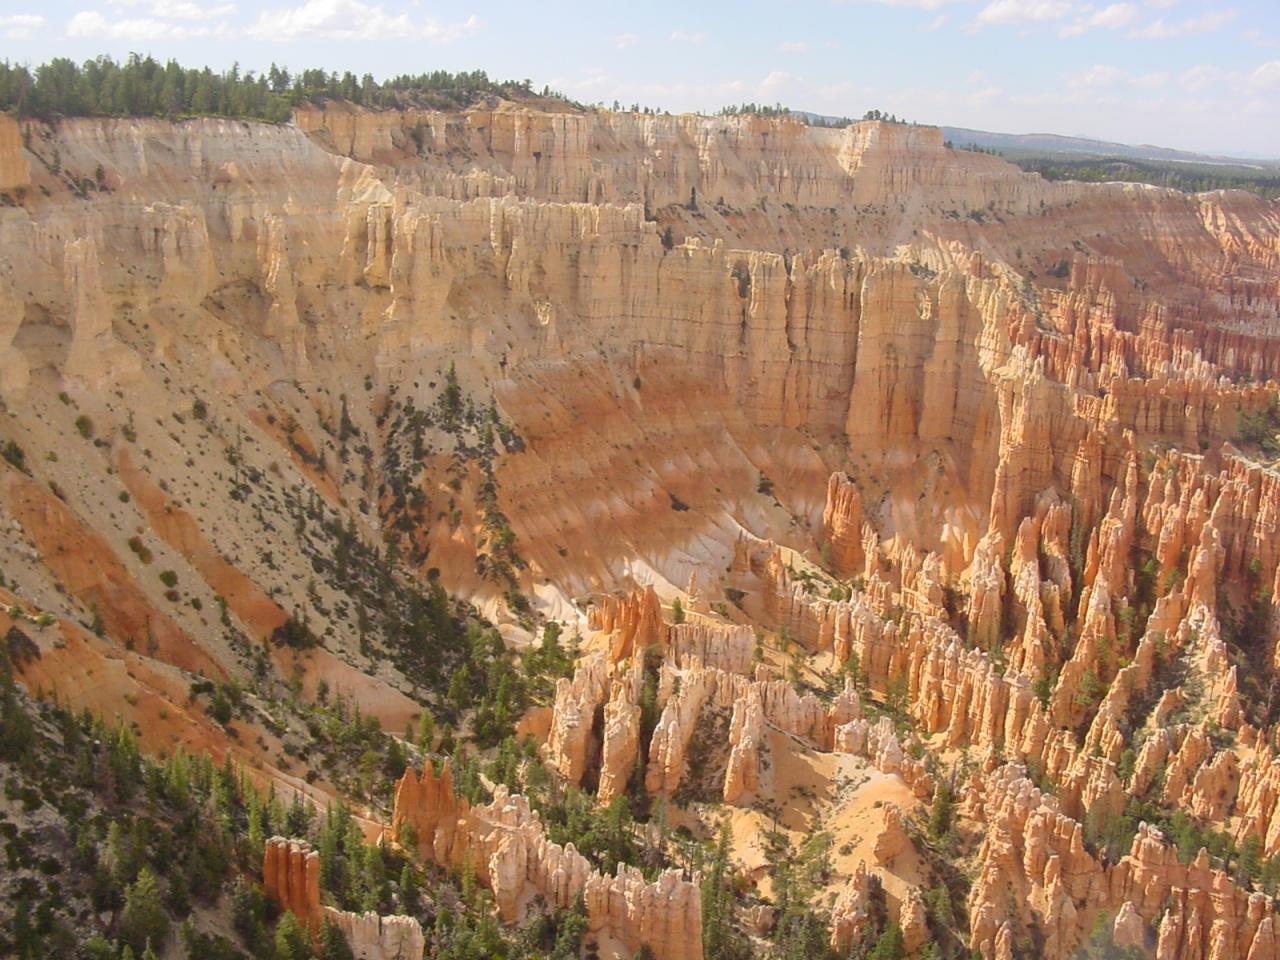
x=373, y=937
x=665, y=915
x=634, y=620
x=428, y=806
x=914, y=921
x=291, y=876
x=842, y=525
x=621, y=733
x=891, y=840
x=504, y=842
x=1128, y=929
x=851, y=914
x=986, y=591
x=674, y=730
x=746, y=735
x=569, y=747
x=15, y=171
x=1033, y=856
x=720, y=646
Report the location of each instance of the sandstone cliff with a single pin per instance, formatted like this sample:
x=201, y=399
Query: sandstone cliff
x=505, y=844
x=986, y=444
x=291, y=876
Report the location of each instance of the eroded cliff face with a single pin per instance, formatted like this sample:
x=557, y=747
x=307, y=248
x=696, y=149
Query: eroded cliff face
x=504, y=843
x=958, y=445
x=291, y=877
x=992, y=349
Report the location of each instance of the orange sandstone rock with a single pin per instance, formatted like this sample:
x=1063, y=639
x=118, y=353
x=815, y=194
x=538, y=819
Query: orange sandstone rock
x=291, y=876
x=504, y=842
x=842, y=525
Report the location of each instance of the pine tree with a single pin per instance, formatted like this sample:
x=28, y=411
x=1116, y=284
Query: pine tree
x=1249, y=861
x=298, y=821
x=942, y=812
x=889, y=946
x=451, y=400
x=332, y=944
x=408, y=889
x=16, y=730
x=248, y=913
x=395, y=763
x=718, y=922
x=426, y=731
x=143, y=919
x=291, y=940
x=256, y=838
x=571, y=926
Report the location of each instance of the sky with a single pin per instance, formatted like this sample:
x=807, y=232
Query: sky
x=1195, y=74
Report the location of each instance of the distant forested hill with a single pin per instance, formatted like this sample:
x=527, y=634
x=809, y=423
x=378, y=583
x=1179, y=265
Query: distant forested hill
x=143, y=86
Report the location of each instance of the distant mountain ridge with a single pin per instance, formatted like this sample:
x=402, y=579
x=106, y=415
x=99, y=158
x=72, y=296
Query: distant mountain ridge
x=1054, y=144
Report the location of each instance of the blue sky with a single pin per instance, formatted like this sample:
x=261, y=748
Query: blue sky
x=1197, y=74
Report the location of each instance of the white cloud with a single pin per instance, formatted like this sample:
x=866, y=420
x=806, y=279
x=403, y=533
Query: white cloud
x=1116, y=15
x=185, y=10
x=91, y=23
x=595, y=84
x=795, y=46
x=1084, y=16
x=937, y=23
x=1266, y=76
x=353, y=20
x=917, y=4
x=684, y=36
x=775, y=81
x=1112, y=17
x=1101, y=76
x=1024, y=11
x=178, y=9
x=1098, y=75
x=1200, y=77
x=624, y=40
x=1160, y=29
x=19, y=25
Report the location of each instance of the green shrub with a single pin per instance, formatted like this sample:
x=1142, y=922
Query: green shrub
x=1260, y=427
x=140, y=549
x=143, y=922
x=14, y=455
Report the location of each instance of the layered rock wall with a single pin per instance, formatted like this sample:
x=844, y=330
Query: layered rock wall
x=1034, y=857
x=505, y=844
x=291, y=877
x=842, y=525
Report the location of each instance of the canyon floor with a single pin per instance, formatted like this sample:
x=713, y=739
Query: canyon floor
x=521, y=532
